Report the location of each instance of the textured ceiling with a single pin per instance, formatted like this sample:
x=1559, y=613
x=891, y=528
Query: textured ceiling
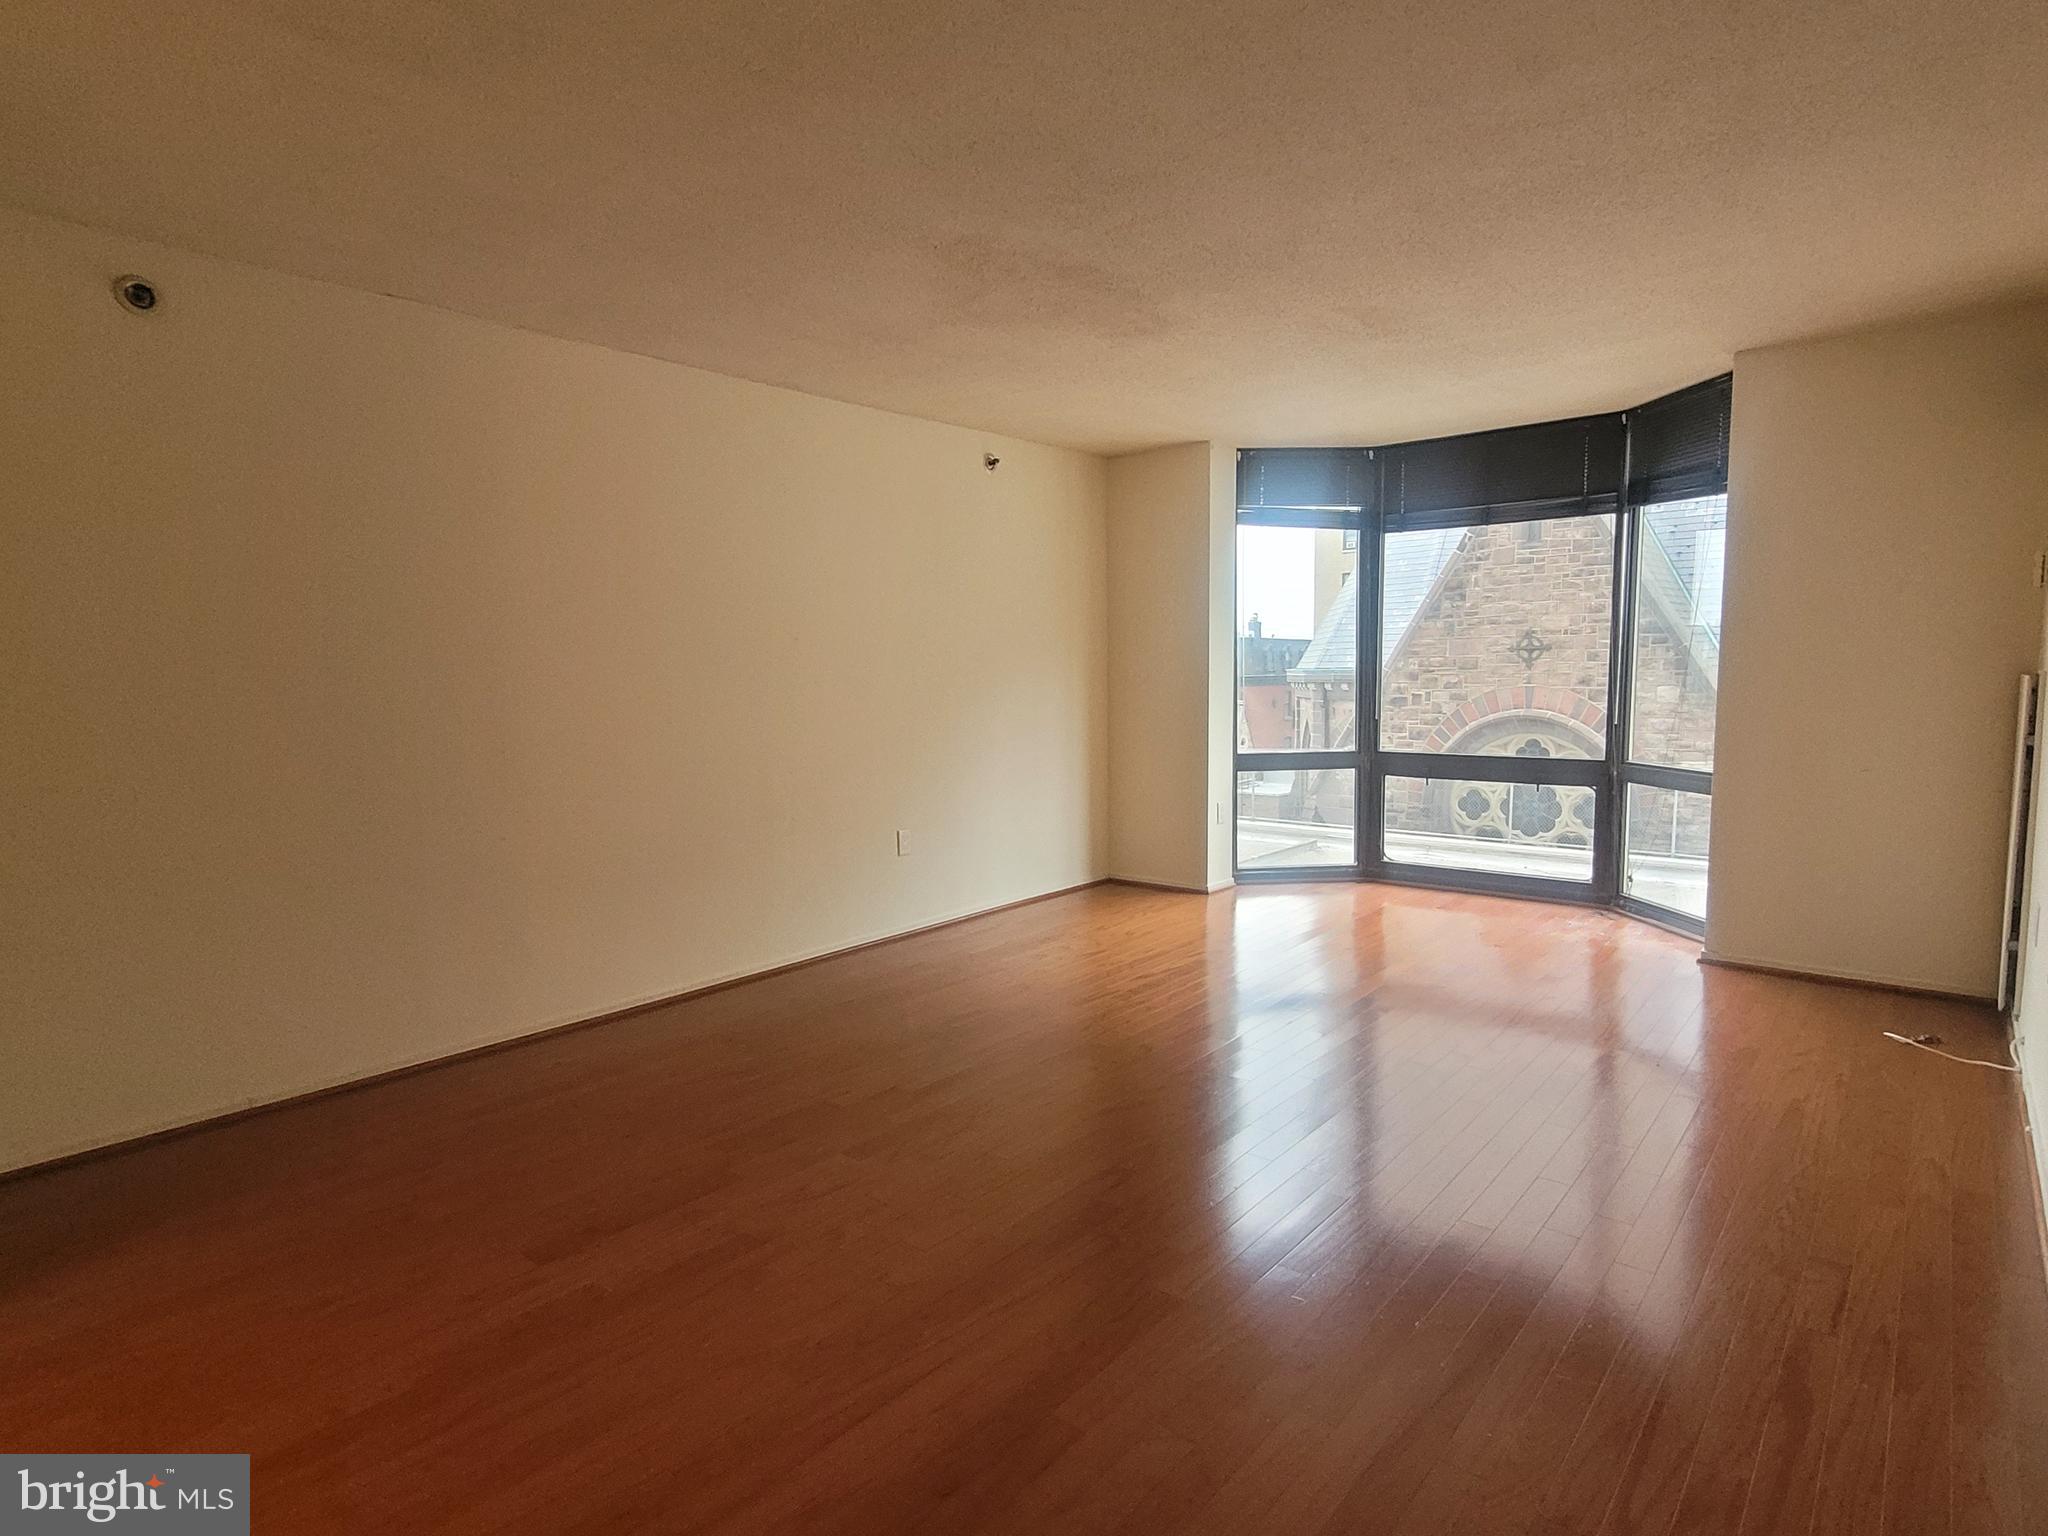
x=1097, y=223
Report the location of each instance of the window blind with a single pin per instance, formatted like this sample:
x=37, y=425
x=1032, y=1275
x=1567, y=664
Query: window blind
x=1678, y=445
x=1551, y=469
x=1328, y=479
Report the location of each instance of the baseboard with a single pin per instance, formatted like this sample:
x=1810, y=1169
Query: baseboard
x=1166, y=885
x=1847, y=979
x=485, y=1048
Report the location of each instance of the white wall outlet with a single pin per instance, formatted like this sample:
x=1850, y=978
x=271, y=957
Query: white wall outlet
x=902, y=844
x=1219, y=813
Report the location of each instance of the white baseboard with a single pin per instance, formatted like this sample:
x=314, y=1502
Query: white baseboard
x=1147, y=883
x=1890, y=981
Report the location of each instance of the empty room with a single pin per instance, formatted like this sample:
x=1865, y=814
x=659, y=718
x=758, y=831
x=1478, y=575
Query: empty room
x=962, y=768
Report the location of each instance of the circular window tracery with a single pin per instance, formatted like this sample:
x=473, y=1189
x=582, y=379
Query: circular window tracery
x=1525, y=813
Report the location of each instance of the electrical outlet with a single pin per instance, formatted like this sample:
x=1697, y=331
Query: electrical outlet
x=902, y=844
x=1219, y=813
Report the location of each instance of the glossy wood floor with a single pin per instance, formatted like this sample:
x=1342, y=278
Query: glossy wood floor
x=1313, y=1209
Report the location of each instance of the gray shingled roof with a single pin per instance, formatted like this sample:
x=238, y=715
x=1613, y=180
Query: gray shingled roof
x=1676, y=530
x=1335, y=646
x=1413, y=562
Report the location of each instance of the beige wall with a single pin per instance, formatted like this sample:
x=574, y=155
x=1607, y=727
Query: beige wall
x=382, y=683
x=1159, y=582
x=1888, y=497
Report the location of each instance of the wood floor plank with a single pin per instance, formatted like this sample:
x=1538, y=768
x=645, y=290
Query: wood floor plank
x=1316, y=1209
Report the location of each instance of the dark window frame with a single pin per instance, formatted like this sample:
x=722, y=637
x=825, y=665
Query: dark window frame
x=1516, y=474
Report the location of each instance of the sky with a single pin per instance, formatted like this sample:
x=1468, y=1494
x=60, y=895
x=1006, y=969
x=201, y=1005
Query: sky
x=1276, y=580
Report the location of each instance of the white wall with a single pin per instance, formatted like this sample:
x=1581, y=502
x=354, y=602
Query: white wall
x=1888, y=496
x=1222, y=633
x=381, y=683
x=2030, y=1019
x=1163, y=576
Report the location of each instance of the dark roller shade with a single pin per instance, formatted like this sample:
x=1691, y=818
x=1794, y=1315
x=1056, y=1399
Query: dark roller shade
x=1304, y=478
x=1553, y=469
x=1678, y=445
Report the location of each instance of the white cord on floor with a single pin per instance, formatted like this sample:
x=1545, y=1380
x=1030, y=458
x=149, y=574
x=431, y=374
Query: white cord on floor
x=1968, y=1061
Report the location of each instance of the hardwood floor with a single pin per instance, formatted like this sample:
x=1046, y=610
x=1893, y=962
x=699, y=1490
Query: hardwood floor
x=1329, y=1208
